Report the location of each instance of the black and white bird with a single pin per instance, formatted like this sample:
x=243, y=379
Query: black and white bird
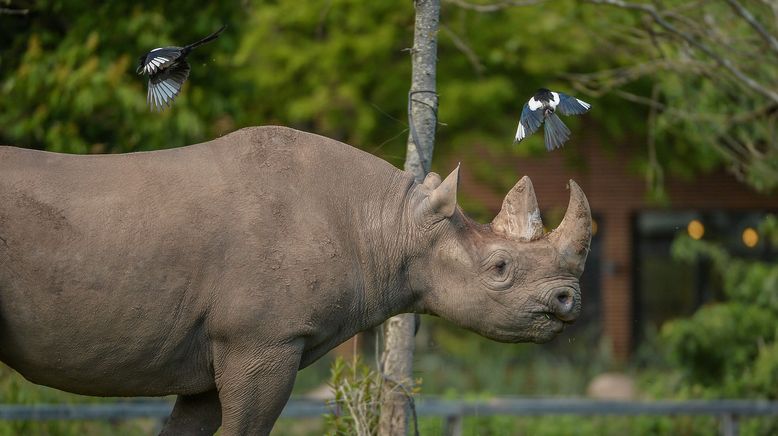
x=541, y=108
x=168, y=69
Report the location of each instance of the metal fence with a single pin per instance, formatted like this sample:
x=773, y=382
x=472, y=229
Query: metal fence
x=453, y=411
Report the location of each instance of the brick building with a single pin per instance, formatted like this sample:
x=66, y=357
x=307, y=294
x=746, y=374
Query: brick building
x=631, y=283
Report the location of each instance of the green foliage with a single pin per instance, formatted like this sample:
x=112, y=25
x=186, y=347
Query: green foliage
x=69, y=84
x=728, y=349
x=357, y=404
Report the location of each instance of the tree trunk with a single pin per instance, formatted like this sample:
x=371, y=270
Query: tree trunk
x=397, y=359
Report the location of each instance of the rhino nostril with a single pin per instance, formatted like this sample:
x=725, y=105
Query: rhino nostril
x=565, y=298
x=565, y=301
x=564, y=304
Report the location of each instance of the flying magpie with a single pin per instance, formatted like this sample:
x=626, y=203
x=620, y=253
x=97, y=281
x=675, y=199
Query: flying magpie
x=540, y=108
x=168, y=69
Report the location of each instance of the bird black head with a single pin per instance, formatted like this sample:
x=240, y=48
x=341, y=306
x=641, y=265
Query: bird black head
x=543, y=94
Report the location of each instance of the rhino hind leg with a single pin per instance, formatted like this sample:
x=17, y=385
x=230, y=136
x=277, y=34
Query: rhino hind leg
x=192, y=415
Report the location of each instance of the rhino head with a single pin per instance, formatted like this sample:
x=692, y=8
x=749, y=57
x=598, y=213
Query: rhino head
x=507, y=280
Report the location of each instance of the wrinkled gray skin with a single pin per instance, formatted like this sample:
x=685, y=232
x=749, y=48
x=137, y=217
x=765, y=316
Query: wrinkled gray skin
x=217, y=271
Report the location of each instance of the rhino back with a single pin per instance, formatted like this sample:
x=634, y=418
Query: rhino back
x=125, y=265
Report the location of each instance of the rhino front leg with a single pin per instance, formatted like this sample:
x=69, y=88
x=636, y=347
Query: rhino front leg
x=254, y=384
x=194, y=415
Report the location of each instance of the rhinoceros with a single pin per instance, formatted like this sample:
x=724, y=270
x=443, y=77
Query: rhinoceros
x=216, y=271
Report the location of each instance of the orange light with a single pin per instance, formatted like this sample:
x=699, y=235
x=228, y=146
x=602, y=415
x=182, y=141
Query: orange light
x=695, y=229
x=750, y=237
x=594, y=227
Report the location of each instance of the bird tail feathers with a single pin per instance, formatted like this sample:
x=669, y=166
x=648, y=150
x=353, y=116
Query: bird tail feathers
x=556, y=133
x=207, y=39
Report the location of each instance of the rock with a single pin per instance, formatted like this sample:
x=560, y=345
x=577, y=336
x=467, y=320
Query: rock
x=612, y=386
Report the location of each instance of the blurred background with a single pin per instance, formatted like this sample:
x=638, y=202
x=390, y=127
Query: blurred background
x=678, y=158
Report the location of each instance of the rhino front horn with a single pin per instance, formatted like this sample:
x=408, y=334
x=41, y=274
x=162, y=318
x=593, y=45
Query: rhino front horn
x=574, y=234
x=519, y=217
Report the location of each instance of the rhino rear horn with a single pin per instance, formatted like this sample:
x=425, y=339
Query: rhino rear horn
x=574, y=234
x=519, y=217
x=443, y=199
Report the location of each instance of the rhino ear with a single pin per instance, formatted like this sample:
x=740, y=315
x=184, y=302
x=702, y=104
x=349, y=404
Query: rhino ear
x=443, y=199
x=432, y=180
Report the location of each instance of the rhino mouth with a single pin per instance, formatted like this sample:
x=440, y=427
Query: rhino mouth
x=556, y=323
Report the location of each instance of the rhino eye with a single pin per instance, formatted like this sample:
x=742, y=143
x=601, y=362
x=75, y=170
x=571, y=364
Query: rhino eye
x=500, y=270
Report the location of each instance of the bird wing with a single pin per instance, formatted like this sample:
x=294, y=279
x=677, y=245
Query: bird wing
x=165, y=86
x=529, y=122
x=569, y=105
x=158, y=59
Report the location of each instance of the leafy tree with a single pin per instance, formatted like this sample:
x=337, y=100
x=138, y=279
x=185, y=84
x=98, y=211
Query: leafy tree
x=714, y=91
x=729, y=348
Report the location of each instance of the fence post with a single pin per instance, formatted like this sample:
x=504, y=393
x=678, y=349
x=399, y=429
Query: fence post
x=728, y=425
x=453, y=425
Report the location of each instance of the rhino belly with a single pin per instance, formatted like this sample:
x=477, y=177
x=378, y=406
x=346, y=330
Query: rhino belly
x=85, y=339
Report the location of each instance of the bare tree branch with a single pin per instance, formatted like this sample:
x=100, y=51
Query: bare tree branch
x=8, y=11
x=722, y=61
x=459, y=43
x=493, y=7
x=604, y=81
x=746, y=15
x=744, y=117
x=738, y=117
